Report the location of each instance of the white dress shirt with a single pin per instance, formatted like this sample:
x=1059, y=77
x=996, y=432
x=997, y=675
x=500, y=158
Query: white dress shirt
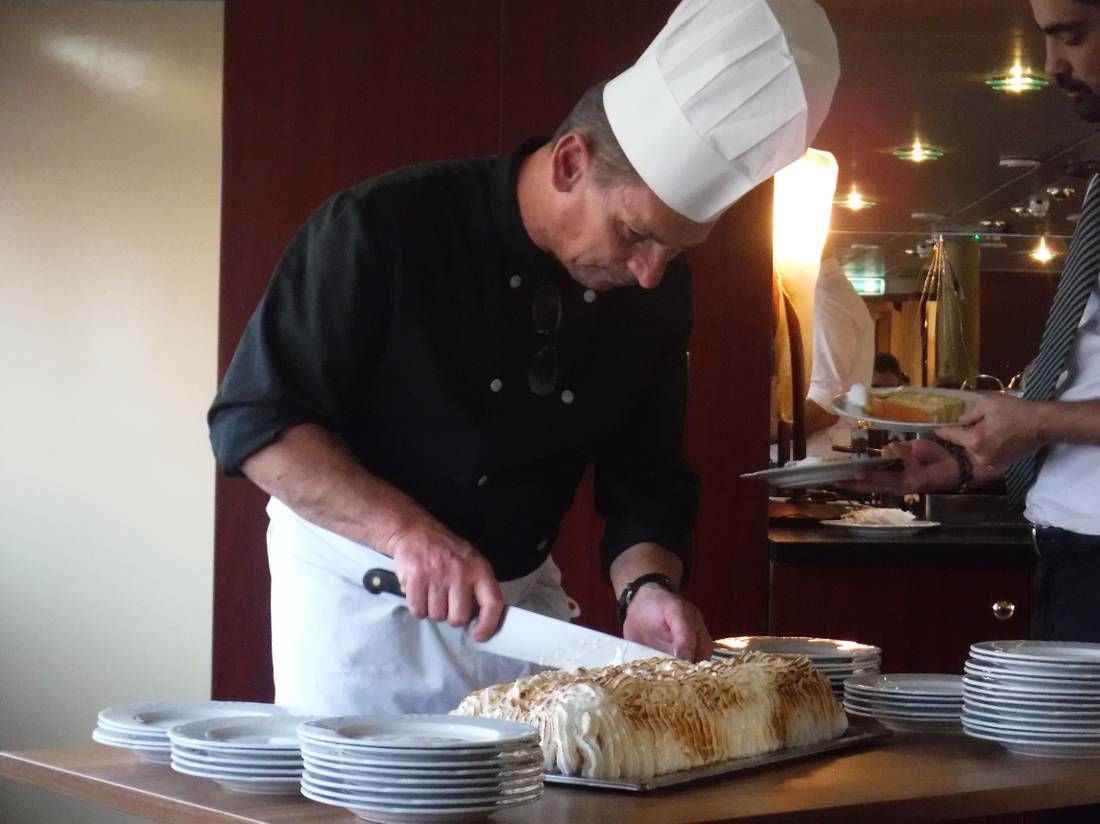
x=1067, y=492
x=844, y=352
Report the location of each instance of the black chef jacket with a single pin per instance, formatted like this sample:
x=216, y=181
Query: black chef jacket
x=400, y=319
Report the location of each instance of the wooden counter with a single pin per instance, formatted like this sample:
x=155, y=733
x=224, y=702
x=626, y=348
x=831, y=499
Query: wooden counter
x=908, y=778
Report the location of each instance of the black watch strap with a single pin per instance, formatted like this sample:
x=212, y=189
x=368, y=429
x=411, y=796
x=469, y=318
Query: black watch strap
x=631, y=589
x=966, y=468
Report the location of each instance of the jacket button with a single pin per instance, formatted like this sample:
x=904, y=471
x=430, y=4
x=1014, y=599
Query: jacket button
x=496, y=384
x=543, y=544
x=514, y=281
x=566, y=396
x=589, y=295
x=484, y=479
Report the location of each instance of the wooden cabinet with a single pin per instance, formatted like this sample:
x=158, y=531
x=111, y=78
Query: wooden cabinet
x=922, y=601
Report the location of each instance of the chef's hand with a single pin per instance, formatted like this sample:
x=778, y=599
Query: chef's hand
x=1000, y=429
x=925, y=467
x=444, y=576
x=668, y=622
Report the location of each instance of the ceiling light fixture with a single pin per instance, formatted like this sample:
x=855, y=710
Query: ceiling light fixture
x=918, y=152
x=934, y=217
x=1019, y=161
x=855, y=201
x=1018, y=80
x=1042, y=252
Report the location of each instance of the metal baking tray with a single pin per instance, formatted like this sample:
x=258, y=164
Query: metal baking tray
x=860, y=732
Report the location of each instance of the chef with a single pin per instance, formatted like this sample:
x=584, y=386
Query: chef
x=443, y=350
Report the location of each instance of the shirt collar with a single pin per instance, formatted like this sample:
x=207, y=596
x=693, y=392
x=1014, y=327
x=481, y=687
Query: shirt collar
x=509, y=222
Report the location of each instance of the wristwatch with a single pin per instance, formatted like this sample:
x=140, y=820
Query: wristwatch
x=631, y=589
x=966, y=468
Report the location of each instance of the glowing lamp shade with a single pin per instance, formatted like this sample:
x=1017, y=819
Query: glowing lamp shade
x=803, y=207
x=1042, y=253
x=800, y=223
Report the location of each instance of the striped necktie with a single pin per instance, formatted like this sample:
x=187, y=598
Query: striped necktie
x=1078, y=280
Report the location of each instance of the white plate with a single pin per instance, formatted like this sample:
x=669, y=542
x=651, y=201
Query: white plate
x=817, y=649
x=151, y=716
x=927, y=684
x=1065, y=724
x=1019, y=688
x=998, y=677
x=342, y=783
x=1044, y=652
x=1050, y=668
x=244, y=769
x=418, y=773
x=419, y=732
x=241, y=732
x=903, y=706
x=385, y=782
x=913, y=724
x=875, y=712
x=1045, y=749
x=250, y=757
x=403, y=815
x=1029, y=706
x=910, y=528
x=842, y=407
x=121, y=739
x=818, y=473
x=435, y=761
x=158, y=754
x=246, y=784
x=415, y=801
x=130, y=732
x=1032, y=733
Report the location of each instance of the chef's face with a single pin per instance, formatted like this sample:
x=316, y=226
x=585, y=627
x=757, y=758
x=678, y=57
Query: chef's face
x=1072, y=29
x=619, y=234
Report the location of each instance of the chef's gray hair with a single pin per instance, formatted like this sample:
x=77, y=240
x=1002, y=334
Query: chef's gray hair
x=589, y=119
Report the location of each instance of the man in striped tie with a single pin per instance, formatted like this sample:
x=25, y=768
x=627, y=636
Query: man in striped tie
x=1046, y=445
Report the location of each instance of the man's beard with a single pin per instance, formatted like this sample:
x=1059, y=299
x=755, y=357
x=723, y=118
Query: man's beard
x=1087, y=102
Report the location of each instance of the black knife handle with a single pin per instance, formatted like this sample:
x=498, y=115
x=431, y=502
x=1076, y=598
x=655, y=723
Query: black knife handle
x=382, y=580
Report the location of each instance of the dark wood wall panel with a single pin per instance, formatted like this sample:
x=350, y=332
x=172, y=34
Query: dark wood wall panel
x=1013, y=312
x=319, y=96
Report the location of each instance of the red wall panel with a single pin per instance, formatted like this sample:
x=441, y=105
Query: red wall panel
x=319, y=96
x=1013, y=312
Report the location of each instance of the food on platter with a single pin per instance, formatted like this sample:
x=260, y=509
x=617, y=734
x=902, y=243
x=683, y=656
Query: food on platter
x=664, y=715
x=878, y=516
x=915, y=406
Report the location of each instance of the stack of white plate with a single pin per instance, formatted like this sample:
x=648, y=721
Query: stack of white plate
x=1035, y=697
x=420, y=768
x=915, y=702
x=143, y=728
x=247, y=754
x=836, y=660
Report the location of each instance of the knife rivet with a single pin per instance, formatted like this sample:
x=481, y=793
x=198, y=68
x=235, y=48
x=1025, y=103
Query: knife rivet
x=376, y=582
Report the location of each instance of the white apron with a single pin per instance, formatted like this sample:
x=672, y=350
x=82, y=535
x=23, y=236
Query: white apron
x=337, y=649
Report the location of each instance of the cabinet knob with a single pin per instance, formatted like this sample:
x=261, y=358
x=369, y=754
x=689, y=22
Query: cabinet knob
x=1003, y=610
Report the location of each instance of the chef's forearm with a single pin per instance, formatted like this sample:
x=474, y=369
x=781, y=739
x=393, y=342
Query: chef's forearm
x=641, y=559
x=309, y=471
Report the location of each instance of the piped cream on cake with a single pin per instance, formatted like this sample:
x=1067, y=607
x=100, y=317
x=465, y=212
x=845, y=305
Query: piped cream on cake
x=662, y=715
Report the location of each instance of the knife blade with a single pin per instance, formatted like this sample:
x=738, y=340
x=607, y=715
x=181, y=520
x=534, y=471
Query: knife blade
x=539, y=639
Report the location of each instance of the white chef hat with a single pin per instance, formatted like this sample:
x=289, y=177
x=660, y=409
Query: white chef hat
x=728, y=93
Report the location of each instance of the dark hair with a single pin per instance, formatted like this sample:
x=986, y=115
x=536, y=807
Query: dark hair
x=885, y=362
x=589, y=119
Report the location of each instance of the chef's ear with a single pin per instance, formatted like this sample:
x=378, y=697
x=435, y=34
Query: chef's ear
x=570, y=161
